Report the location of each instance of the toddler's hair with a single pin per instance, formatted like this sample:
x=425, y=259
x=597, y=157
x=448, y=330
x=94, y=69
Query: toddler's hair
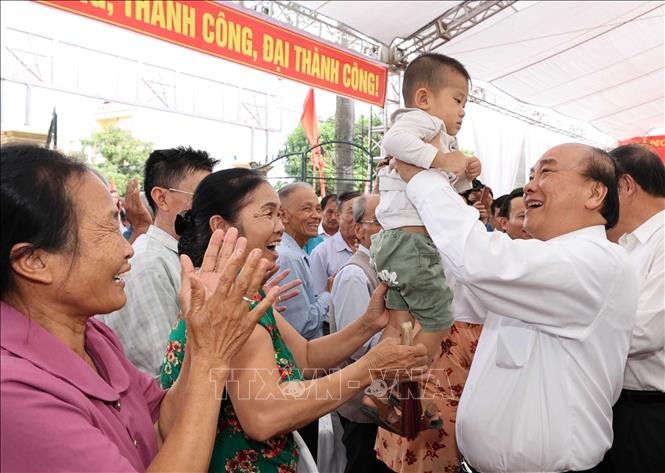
x=425, y=71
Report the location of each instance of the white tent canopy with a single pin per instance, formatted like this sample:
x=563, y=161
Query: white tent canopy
x=598, y=62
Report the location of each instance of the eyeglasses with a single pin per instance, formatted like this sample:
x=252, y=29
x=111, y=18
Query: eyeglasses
x=373, y=222
x=181, y=191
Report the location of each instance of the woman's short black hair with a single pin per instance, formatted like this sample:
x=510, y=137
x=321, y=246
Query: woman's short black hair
x=36, y=205
x=222, y=193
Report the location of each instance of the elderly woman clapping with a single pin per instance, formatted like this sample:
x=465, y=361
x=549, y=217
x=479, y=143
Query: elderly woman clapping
x=268, y=395
x=71, y=401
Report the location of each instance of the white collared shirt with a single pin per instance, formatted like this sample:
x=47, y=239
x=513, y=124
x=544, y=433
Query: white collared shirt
x=323, y=233
x=557, y=315
x=326, y=259
x=645, y=369
x=152, y=285
x=349, y=298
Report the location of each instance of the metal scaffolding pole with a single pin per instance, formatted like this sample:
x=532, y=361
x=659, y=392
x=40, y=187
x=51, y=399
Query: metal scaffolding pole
x=452, y=23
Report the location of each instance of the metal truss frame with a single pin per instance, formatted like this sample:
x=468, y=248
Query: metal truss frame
x=309, y=21
x=454, y=22
x=38, y=61
x=523, y=112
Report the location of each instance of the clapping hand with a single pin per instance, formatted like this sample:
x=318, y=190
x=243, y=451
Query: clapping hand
x=137, y=214
x=220, y=321
x=220, y=248
x=286, y=292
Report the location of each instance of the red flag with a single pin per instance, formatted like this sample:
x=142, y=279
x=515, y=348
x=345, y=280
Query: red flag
x=310, y=125
x=308, y=119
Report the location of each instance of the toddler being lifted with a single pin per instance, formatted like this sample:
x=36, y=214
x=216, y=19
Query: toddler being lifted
x=435, y=90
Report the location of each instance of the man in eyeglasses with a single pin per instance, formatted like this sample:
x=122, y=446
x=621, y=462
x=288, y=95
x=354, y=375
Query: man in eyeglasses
x=152, y=285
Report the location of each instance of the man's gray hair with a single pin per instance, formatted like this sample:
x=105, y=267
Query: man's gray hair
x=286, y=191
x=359, y=207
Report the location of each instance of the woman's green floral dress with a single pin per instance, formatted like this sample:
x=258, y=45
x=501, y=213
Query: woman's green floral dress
x=234, y=451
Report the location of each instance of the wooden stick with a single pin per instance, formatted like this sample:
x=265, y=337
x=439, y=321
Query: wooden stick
x=410, y=394
x=407, y=333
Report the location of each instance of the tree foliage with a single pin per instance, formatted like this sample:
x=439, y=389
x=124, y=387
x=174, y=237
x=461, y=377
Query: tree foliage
x=117, y=155
x=296, y=142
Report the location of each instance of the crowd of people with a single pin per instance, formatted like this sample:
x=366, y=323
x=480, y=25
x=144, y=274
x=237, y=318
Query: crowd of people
x=228, y=317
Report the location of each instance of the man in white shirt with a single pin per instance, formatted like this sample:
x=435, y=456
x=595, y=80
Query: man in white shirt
x=557, y=311
x=514, y=211
x=329, y=217
x=639, y=414
x=331, y=255
x=152, y=285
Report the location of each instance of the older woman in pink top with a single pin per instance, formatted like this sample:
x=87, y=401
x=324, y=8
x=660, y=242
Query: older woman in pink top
x=71, y=401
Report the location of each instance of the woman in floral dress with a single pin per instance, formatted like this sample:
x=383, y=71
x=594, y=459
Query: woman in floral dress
x=266, y=396
x=436, y=450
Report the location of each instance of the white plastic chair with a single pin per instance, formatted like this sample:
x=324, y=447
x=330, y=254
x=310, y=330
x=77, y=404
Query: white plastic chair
x=306, y=463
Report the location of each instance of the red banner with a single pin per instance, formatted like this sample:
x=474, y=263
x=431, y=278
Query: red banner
x=225, y=31
x=656, y=143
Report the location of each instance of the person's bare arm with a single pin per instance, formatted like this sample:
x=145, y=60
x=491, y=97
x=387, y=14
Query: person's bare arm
x=330, y=351
x=266, y=406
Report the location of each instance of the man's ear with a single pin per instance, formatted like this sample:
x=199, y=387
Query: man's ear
x=284, y=215
x=501, y=221
x=158, y=194
x=597, y=195
x=216, y=222
x=421, y=99
x=627, y=185
x=357, y=230
x=35, y=265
